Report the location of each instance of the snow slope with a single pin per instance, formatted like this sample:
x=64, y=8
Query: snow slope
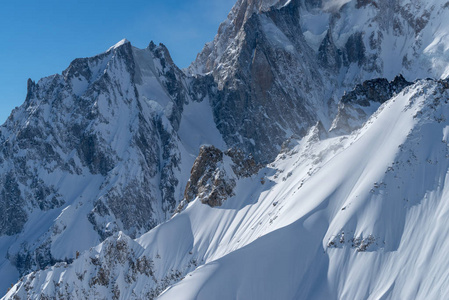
x=105, y=149
x=357, y=217
x=360, y=216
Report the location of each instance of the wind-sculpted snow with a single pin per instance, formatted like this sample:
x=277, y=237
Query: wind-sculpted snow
x=353, y=217
x=359, y=216
x=108, y=146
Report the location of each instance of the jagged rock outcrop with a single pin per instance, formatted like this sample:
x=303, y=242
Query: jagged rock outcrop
x=382, y=207
x=114, y=271
x=207, y=178
x=243, y=165
x=214, y=174
x=106, y=146
x=375, y=90
x=359, y=104
x=281, y=66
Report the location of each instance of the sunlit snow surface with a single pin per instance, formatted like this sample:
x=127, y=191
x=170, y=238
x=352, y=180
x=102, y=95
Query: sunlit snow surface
x=361, y=216
x=387, y=181
x=348, y=217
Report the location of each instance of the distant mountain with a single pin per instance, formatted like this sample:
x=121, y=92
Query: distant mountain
x=285, y=64
x=98, y=149
x=303, y=155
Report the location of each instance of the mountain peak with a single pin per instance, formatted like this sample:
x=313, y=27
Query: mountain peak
x=107, y=152
x=119, y=44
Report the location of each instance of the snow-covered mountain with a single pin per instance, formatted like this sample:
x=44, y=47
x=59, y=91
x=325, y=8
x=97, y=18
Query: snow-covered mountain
x=99, y=149
x=358, y=216
x=285, y=64
x=98, y=158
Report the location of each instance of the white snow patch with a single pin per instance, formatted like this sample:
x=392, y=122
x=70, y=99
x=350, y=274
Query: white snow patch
x=121, y=43
x=198, y=127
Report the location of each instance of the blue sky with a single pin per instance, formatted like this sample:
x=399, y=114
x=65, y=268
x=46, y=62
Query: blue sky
x=41, y=38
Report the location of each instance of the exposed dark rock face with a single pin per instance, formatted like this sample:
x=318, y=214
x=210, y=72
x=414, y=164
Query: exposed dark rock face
x=104, y=137
x=357, y=106
x=376, y=90
x=212, y=179
x=355, y=49
x=90, y=153
x=243, y=165
x=208, y=178
x=12, y=212
x=328, y=54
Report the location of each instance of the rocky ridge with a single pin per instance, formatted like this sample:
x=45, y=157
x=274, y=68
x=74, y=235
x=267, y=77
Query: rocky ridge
x=291, y=61
x=95, y=148
x=356, y=106
x=214, y=174
x=332, y=230
x=107, y=146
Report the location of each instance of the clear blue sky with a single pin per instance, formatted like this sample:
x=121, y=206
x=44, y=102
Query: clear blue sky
x=41, y=38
